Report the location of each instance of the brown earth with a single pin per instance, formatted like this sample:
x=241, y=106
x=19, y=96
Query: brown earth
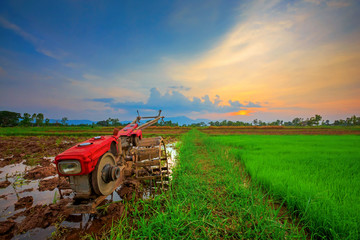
x=27, y=190
x=105, y=217
x=52, y=183
x=99, y=225
x=4, y=184
x=14, y=149
x=24, y=202
x=7, y=229
x=39, y=216
x=43, y=215
x=4, y=196
x=130, y=189
x=40, y=172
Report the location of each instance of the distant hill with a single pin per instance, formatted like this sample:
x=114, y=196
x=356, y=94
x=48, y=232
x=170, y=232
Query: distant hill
x=180, y=120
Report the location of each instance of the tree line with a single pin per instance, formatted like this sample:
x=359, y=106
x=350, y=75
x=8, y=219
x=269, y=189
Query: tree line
x=11, y=119
x=317, y=120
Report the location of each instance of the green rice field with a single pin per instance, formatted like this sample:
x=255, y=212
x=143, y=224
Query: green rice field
x=317, y=176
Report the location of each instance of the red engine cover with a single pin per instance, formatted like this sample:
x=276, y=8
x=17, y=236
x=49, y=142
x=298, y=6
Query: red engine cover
x=130, y=130
x=87, y=153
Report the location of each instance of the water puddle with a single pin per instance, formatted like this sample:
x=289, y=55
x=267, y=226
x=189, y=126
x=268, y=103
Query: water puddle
x=19, y=188
x=22, y=201
x=172, y=155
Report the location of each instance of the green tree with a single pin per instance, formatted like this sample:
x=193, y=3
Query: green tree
x=9, y=119
x=297, y=121
x=353, y=120
x=115, y=122
x=64, y=120
x=33, y=118
x=103, y=123
x=47, y=122
x=255, y=122
x=317, y=119
x=39, y=119
x=223, y=123
x=26, y=119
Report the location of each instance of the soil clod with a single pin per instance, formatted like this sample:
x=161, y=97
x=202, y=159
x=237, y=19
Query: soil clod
x=52, y=183
x=24, y=202
x=6, y=229
x=4, y=184
x=41, y=216
x=129, y=189
x=40, y=172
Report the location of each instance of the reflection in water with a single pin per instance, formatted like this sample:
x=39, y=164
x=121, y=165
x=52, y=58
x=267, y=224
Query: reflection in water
x=20, y=188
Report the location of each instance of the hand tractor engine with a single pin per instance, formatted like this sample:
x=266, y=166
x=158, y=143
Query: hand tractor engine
x=97, y=166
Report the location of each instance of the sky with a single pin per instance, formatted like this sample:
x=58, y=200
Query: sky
x=234, y=60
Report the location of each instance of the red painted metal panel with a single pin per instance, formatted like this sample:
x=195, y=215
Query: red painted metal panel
x=87, y=155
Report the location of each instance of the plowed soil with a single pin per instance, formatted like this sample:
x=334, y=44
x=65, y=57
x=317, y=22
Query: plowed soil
x=33, y=149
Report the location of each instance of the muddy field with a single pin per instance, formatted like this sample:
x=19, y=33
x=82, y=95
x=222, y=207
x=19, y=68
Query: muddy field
x=30, y=204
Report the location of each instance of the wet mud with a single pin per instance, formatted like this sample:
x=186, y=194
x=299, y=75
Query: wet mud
x=75, y=226
x=30, y=204
x=24, y=202
x=52, y=183
x=14, y=149
x=4, y=184
x=40, y=172
x=130, y=189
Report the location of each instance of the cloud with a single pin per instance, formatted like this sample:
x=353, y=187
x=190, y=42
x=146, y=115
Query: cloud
x=37, y=43
x=73, y=65
x=58, y=55
x=331, y=3
x=190, y=14
x=180, y=88
x=317, y=2
x=253, y=105
x=175, y=103
x=8, y=25
x=92, y=77
x=102, y=100
x=338, y=3
x=287, y=53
